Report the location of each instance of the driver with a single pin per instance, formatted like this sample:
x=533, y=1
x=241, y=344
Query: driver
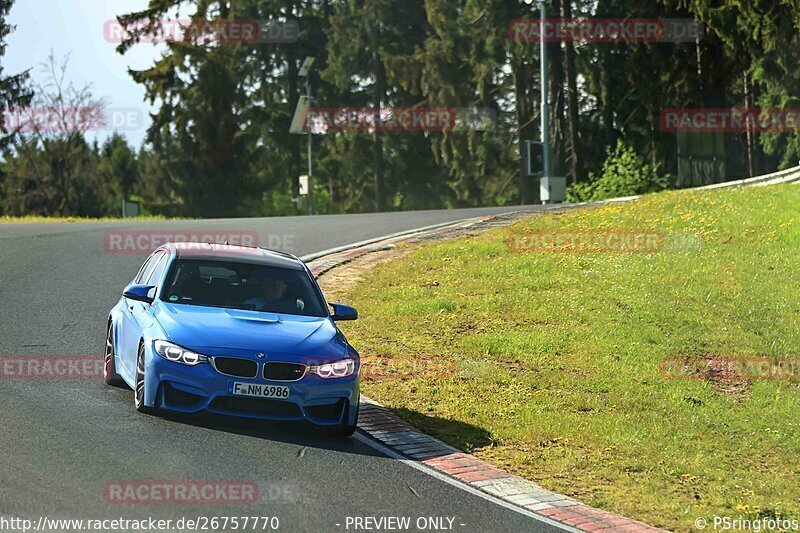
x=188, y=284
x=271, y=297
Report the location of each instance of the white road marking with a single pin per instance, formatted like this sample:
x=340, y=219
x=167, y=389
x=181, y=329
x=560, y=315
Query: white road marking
x=364, y=439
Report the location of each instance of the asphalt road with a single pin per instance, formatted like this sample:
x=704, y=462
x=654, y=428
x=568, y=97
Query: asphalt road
x=62, y=441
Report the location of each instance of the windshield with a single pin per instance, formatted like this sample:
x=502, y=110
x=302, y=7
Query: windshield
x=242, y=286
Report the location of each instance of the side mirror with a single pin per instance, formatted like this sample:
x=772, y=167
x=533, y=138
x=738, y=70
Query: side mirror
x=343, y=312
x=139, y=293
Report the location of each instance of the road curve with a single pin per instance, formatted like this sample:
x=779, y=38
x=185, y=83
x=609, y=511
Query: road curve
x=62, y=441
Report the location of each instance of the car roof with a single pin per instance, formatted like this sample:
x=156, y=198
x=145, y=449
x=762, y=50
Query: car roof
x=202, y=251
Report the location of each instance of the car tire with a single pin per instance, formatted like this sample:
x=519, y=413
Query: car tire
x=344, y=430
x=139, y=383
x=110, y=375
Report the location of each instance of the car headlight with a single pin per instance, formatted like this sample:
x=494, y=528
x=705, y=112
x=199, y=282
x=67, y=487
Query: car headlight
x=337, y=369
x=175, y=353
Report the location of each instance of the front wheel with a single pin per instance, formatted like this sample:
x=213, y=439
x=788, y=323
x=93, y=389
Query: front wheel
x=109, y=365
x=138, y=391
x=344, y=430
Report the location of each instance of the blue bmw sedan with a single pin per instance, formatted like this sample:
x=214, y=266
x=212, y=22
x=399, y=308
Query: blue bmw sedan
x=236, y=331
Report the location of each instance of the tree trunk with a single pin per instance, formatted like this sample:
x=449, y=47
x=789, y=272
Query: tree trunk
x=573, y=166
x=377, y=101
x=604, y=9
x=749, y=133
x=555, y=92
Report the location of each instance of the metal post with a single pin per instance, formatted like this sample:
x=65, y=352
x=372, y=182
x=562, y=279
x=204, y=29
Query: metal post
x=544, y=111
x=310, y=175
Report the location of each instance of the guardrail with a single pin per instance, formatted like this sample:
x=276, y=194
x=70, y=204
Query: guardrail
x=789, y=175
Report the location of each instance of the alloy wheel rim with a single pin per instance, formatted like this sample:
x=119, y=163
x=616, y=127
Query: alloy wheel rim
x=109, y=354
x=139, y=395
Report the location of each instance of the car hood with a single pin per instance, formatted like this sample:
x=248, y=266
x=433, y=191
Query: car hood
x=217, y=331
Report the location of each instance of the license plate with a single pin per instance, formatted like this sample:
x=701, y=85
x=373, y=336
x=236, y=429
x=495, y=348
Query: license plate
x=258, y=390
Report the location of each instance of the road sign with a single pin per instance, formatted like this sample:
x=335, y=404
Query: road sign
x=306, y=67
x=532, y=158
x=303, y=185
x=130, y=209
x=300, y=116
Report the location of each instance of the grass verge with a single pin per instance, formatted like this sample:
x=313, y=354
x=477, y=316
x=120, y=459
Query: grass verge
x=558, y=356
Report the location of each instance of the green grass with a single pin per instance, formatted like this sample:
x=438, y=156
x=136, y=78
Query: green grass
x=557, y=375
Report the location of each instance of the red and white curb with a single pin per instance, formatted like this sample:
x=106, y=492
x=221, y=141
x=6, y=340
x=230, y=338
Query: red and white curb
x=391, y=431
x=405, y=441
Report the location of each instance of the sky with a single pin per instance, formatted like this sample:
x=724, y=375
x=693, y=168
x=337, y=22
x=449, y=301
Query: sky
x=76, y=27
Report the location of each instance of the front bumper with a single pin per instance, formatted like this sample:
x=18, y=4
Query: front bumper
x=192, y=389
